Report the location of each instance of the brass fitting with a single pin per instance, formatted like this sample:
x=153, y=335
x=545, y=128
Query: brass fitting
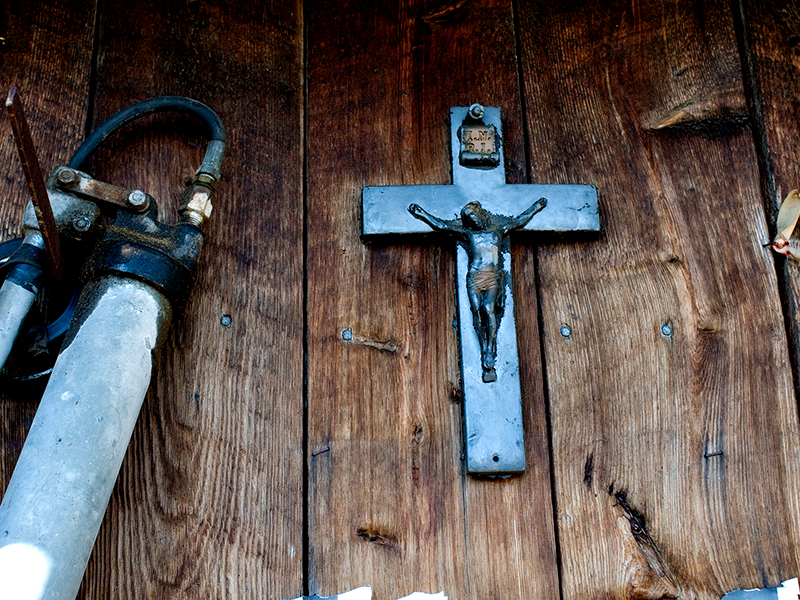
x=196, y=206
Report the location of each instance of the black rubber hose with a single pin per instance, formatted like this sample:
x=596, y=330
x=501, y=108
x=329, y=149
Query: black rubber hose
x=141, y=109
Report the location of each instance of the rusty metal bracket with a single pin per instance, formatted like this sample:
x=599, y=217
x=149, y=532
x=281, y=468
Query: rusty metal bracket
x=36, y=185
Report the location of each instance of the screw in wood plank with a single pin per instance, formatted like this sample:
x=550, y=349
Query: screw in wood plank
x=566, y=331
x=666, y=330
x=226, y=321
x=347, y=334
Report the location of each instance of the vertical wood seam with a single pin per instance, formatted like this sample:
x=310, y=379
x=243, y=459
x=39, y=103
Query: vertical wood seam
x=93, y=74
x=306, y=453
x=538, y=288
x=766, y=170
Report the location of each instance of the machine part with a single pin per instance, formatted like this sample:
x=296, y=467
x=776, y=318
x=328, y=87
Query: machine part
x=39, y=335
x=165, y=257
x=15, y=302
x=196, y=205
x=214, y=151
x=23, y=280
x=33, y=176
x=139, y=247
x=105, y=194
x=57, y=496
x=55, y=502
x=8, y=248
x=67, y=206
x=39, y=341
x=137, y=200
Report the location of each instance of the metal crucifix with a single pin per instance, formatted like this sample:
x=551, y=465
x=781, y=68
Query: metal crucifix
x=486, y=209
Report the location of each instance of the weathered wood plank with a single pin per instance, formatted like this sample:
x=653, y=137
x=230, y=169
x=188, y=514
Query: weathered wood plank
x=771, y=32
x=674, y=450
x=51, y=66
x=389, y=504
x=208, y=501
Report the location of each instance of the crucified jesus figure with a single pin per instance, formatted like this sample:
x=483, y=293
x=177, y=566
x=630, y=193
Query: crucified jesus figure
x=482, y=234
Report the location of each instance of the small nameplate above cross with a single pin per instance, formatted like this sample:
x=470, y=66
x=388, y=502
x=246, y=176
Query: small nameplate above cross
x=479, y=210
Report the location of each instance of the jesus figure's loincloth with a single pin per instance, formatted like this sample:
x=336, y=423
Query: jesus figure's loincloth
x=484, y=279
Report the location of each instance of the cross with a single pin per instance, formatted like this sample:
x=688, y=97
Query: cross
x=479, y=209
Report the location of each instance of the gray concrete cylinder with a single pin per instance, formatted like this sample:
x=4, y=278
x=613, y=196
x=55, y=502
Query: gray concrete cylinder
x=15, y=302
x=58, y=494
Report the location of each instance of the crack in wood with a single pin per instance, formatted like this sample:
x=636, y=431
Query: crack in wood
x=720, y=112
x=374, y=536
x=444, y=13
x=416, y=442
x=588, y=469
x=645, y=542
x=382, y=345
x=454, y=392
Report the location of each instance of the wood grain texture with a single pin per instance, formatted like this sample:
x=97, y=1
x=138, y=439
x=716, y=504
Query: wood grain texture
x=389, y=504
x=51, y=65
x=208, y=500
x=771, y=33
x=675, y=461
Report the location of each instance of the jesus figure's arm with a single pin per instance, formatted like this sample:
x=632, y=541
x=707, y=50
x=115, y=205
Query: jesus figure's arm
x=434, y=222
x=523, y=218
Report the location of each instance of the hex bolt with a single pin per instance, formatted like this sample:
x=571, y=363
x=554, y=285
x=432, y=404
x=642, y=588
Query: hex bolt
x=82, y=223
x=67, y=177
x=666, y=330
x=566, y=331
x=476, y=111
x=347, y=334
x=137, y=198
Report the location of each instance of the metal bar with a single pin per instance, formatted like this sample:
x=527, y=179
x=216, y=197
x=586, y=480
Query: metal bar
x=36, y=184
x=495, y=441
x=570, y=208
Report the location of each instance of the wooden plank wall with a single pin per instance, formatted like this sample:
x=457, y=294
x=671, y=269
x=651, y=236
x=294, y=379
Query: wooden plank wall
x=208, y=501
x=658, y=439
x=662, y=462
x=389, y=503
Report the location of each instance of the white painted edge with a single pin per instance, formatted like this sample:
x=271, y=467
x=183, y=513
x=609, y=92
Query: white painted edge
x=789, y=590
x=365, y=593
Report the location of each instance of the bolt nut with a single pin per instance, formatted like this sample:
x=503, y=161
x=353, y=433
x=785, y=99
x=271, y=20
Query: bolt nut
x=197, y=207
x=81, y=224
x=67, y=177
x=137, y=198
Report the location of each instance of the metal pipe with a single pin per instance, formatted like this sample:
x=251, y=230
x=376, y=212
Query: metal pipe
x=15, y=302
x=54, y=505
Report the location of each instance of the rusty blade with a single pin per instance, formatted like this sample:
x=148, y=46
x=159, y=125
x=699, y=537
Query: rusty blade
x=36, y=185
